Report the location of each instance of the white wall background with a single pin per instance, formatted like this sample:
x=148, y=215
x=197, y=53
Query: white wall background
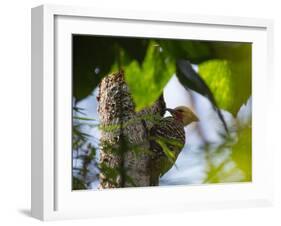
x=15, y=112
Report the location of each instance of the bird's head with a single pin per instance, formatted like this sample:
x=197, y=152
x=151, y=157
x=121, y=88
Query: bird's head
x=183, y=114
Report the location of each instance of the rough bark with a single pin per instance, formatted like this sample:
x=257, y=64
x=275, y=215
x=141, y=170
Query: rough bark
x=125, y=154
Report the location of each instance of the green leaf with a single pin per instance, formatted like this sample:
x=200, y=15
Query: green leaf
x=146, y=81
x=190, y=79
x=229, y=81
x=94, y=56
x=84, y=118
x=167, y=151
x=111, y=174
x=194, y=51
x=77, y=184
x=242, y=152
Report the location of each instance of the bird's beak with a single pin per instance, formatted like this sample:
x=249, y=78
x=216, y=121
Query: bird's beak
x=195, y=118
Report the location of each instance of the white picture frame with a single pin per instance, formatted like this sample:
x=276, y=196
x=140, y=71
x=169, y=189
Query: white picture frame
x=52, y=197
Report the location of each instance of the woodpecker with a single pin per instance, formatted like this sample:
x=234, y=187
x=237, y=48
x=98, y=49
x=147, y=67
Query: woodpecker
x=167, y=139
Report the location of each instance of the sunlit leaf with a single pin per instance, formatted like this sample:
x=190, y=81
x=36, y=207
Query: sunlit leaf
x=146, y=81
x=229, y=76
x=242, y=152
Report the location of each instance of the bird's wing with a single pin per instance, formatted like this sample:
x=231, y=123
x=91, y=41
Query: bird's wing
x=169, y=129
x=171, y=135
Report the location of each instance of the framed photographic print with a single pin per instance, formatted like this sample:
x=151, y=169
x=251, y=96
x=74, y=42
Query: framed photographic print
x=137, y=112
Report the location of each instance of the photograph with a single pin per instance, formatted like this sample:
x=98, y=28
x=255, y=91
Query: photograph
x=150, y=111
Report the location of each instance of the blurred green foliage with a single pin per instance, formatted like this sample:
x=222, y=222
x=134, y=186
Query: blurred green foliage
x=83, y=150
x=231, y=161
x=242, y=152
x=78, y=184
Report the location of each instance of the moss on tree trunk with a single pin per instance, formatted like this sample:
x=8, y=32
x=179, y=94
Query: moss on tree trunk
x=125, y=154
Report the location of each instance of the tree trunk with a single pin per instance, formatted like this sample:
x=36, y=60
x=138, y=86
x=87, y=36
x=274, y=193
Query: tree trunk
x=125, y=154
